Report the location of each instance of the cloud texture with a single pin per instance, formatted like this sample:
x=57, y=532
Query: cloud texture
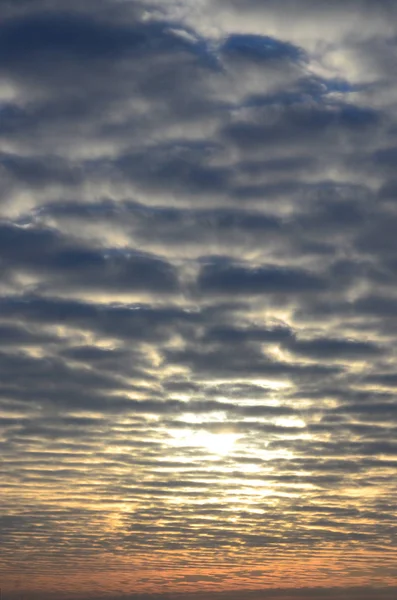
x=198, y=309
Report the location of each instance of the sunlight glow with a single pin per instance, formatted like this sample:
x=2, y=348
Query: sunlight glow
x=214, y=443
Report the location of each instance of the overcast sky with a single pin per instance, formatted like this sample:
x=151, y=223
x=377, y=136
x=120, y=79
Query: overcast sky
x=198, y=300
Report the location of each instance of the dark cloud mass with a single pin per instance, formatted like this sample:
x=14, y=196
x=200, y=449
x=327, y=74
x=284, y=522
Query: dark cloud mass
x=198, y=300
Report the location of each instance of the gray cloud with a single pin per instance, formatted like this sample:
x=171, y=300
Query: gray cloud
x=197, y=300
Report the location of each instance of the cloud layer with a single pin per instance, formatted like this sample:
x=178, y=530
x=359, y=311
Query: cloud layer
x=198, y=296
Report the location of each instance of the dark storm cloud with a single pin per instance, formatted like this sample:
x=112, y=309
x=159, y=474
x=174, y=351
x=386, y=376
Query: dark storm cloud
x=289, y=123
x=252, y=48
x=129, y=321
x=175, y=166
x=329, y=348
x=36, y=171
x=53, y=35
x=241, y=361
x=234, y=335
x=197, y=301
x=220, y=276
x=47, y=253
x=14, y=335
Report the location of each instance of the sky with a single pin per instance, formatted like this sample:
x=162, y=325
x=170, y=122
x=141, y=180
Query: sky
x=198, y=300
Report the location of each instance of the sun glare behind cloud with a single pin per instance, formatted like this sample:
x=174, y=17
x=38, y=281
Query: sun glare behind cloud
x=213, y=443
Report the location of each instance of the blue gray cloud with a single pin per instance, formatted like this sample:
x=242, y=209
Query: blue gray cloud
x=197, y=299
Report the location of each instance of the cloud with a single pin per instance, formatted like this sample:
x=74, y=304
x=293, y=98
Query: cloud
x=197, y=298
x=334, y=348
x=253, y=48
x=45, y=254
x=219, y=276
